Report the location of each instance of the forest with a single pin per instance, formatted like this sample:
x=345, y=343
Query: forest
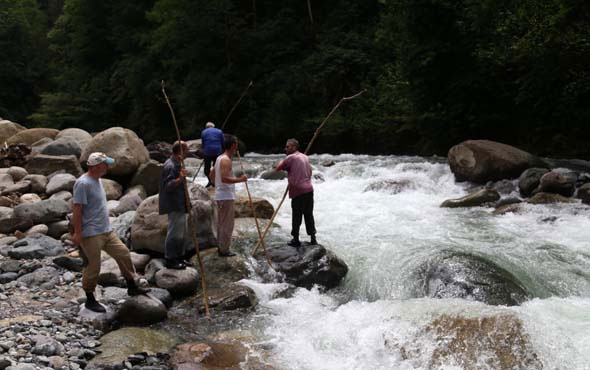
x=436, y=72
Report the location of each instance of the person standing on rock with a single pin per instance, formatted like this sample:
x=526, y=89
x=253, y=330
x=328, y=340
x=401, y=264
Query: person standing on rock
x=172, y=202
x=212, y=139
x=300, y=191
x=93, y=231
x=225, y=193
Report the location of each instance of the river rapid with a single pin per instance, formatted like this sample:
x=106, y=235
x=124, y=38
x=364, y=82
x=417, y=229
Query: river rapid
x=378, y=315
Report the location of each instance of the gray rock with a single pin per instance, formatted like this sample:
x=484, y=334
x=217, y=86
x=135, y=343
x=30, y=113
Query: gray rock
x=476, y=199
x=43, y=212
x=60, y=182
x=122, y=226
x=529, y=180
x=583, y=193
x=391, y=186
x=152, y=268
x=63, y=146
x=69, y=263
x=5, y=181
x=57, y=229
x=481, y=161
x=503, y=186
x=307, y=265
x=7, y=220
x=47, y=346
x=128, y=202
x=10, y=266
x=38, y=183
x=147, y=175
x=17, y=173
x=273, y=175
x=64, y=195
x=162, y=295
x=232, y=297
x=112, y=189
x=549, y=198
x=68, y=277
x=36, y=246
x=138, y=190
x=178, y=282
x=142, y=310
x=37, y=229
x=39, y=276
x=8, y=129
x=472, y=278
x=23, y=186
x=558, y=181
x=262, y=207
x=42, y=164
x=7, y=277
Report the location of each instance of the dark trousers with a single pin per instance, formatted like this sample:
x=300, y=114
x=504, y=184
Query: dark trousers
x=209, y=161
x=302, y=206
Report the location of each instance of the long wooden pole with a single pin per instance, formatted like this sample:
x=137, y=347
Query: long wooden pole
x=315, y=135
x=268, y=260
x=187, y=199
x=225, y=122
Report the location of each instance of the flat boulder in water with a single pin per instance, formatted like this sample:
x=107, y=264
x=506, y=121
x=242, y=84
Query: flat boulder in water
x=472, y=278
x=308, y=265
x=476, y=199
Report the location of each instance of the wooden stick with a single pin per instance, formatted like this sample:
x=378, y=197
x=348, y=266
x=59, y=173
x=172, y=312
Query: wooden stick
x=224, y=122
x=317, y=131
x=187, y=199
x=268, y=260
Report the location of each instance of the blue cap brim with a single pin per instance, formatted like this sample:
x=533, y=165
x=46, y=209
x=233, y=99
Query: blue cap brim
x=109, y=160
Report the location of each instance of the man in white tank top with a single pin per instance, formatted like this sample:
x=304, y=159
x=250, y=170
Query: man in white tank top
x=225, y=192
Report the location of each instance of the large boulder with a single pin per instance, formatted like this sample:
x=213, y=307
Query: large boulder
x=558, y=181
x=29, y=136
x=273, y=175
x=122, y=226
x=476, y=199
x=307, y=265
x=8, y=129
x=472, y=278
x=149, y=227
x=229, y=298
x=38, y=183
x=80, y=136
x=127, y=203
x=262, y=207
x=148, y=175
x=36, y=246
x=159, y=151
x=42, y=164
x=113, y=189
x=481, y=161
x=60, y=182
x=43, y=212
x=178, y=282
x=529, y=180
x=17, y=173
x=64, y=146
x=22, y=186
x=121, y=144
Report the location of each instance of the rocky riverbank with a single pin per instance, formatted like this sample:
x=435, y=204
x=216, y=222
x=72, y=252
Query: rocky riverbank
x=43, y=322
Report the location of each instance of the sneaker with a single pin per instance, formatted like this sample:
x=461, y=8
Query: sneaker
x=313, y=240
x=175, y=265
x=294, y=243
x=228, y=254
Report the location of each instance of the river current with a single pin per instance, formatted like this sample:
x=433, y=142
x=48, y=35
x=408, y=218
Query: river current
x=375, y=316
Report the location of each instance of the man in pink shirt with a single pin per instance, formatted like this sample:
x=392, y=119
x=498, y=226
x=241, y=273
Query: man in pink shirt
x=300, y=190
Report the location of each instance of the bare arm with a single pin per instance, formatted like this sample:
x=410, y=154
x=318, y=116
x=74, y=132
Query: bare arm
x=212, y=175
x=77, y=222
x=226, y=176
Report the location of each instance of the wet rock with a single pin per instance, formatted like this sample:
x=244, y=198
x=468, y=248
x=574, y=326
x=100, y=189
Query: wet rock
x=40, y=276
x=63, y=146
x=476, y=199
x=547, y=198
x=8, y=240
x=222, y=272
x=503, y=186
x=178, y=282
x=481, y=161
x=273, y=175
x=231, y=297
x=307, y=265
x=43, y=164
x=472, y=278
x=29, y=136
x=121, y=144
x=583, y=193
x=142, y=310
x=328, y=163
x=43, y=212
x=38, y=183
x=110, y=274
x=558, y=181
x=507, y=208
x=36, y=246
x=60, y=182
x=118, y=345
x=148, y=230
x=493, y=342
x=112, y=189
x=148, y=176
x=56, y=362
x=262, y=207
x=391, y=186
x=215, y=355
x=529, y=180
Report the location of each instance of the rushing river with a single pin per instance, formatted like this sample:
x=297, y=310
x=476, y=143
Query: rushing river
x=375, y=318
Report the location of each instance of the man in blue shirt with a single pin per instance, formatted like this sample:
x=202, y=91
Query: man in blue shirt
x=212, y=139
x=93, y=231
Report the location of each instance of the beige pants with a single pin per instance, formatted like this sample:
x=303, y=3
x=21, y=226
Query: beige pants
x=110, y=243
x=225, y=224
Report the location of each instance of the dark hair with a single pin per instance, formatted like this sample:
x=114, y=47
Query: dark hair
x=177, y=145
x=293, y=142
x=228, y=141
